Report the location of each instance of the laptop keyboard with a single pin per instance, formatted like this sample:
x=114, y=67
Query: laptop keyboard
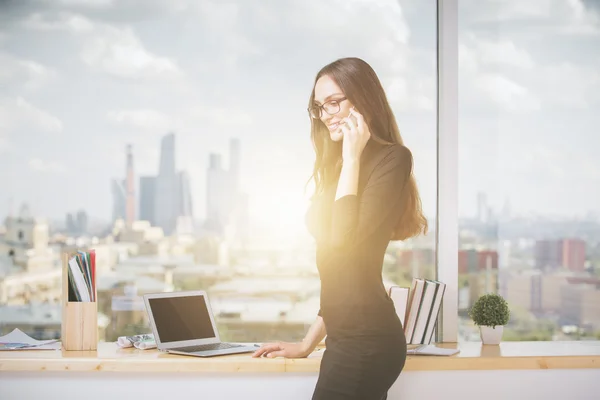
x=210, y=346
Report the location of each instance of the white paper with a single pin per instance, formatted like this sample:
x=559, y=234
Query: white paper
x=431, y=350
x=18, y=340
x=79, y=280
x=142, y=342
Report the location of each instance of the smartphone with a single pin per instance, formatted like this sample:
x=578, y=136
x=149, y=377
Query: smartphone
x=352, y=118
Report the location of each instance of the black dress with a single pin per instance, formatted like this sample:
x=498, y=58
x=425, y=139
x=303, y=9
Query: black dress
x=365, y=344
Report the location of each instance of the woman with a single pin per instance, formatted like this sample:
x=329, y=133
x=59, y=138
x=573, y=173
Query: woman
x=365, y=196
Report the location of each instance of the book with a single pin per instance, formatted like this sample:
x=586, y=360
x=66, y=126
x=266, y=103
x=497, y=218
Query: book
x=425, y=307
x=424, y=304
x=82, y=277
x=416, y=293
x=435, y=310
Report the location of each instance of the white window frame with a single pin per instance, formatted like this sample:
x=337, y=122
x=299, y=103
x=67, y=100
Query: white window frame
x=447, y=167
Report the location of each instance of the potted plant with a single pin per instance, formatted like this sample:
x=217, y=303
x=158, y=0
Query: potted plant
x=491, y=313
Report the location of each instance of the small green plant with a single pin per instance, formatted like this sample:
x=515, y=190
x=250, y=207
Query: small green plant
x=490, y=310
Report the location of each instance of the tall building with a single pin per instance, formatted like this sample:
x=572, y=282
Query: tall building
x=166, y=204
x=163, y=199
x=562, y=253
x=234, y=165
x=185, y=195
x=25, y=237
x=482, y=207
x=147, y=198
x=573, y=254
x=119, y=199
x=226, y=205
x=77, y=223
x=130, y=189
x=474, y=261
x=218, y=196
x=185, y=216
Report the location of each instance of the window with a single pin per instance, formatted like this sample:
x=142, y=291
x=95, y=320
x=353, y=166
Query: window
x=528, y=169
x=207, y=103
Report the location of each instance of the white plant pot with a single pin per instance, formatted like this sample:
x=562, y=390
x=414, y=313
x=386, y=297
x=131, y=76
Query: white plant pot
x=491, y=335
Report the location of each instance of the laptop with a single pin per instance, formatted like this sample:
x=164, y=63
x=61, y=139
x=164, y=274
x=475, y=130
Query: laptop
x=183, y=323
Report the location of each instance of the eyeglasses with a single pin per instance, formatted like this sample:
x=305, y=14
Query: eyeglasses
x=331, y=107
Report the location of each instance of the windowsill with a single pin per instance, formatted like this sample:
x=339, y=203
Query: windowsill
x=473, y=356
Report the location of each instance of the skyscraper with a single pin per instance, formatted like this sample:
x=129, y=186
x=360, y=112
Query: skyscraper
x=147, y=198
x=185, y=195
x=217, y=194
x=164, y=199
x=185, y=218
x=482, y=207
x=568, y=253
x=130, y=187
x=234, y=165
x=119, y=199
x=226, y=205
x=166, y=206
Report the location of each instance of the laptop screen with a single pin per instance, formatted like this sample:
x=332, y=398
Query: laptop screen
x=181, y=318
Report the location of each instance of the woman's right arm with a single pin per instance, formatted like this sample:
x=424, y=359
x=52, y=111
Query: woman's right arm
x=313, y=337
x=315, y=334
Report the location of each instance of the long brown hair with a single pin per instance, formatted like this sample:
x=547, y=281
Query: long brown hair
x=362, y=87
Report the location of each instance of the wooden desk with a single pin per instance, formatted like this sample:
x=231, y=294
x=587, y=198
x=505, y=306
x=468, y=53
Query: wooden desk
x=472, y=356
x=524, y=370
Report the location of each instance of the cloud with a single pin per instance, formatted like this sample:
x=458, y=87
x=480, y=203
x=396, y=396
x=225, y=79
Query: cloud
x=478, y=52
x=81, y=3
x=567, y=85
x=502, y=10
x=189, y=118
x=3, y=142
x=120, y=53
x=62, y=21
x=571, y=17
x=218, y=116
x=27, y=74
x=582, y=19
x=116, y=51
x=507, y=94
x=503, y=52
x=468, y=62
x=39, y=165
x=411, y=96
x=492, y=68
x=144, y=119
x=488, y=69
x=18, y=115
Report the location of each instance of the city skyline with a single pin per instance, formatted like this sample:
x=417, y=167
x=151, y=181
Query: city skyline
x=250, y=85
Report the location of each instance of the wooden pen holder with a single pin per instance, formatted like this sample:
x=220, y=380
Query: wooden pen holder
x=79, y=329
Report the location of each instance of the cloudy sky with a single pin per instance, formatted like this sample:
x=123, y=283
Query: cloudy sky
x=79, y=79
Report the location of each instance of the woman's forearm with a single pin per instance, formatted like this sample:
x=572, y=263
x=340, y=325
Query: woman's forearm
x=315, y=335
x=348, y=181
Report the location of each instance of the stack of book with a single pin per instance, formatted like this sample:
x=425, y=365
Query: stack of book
x=418, y=308
x=82, y=277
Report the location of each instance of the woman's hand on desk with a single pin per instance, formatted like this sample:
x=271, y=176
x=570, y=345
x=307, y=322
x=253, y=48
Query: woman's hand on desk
x=282, y=349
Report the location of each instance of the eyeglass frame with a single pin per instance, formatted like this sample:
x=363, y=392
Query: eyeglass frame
x=321, y=108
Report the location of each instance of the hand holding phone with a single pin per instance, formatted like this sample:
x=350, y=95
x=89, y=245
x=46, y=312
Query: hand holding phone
x=356, y=134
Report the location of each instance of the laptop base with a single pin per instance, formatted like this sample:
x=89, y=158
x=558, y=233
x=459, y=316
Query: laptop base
x=213, y=353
